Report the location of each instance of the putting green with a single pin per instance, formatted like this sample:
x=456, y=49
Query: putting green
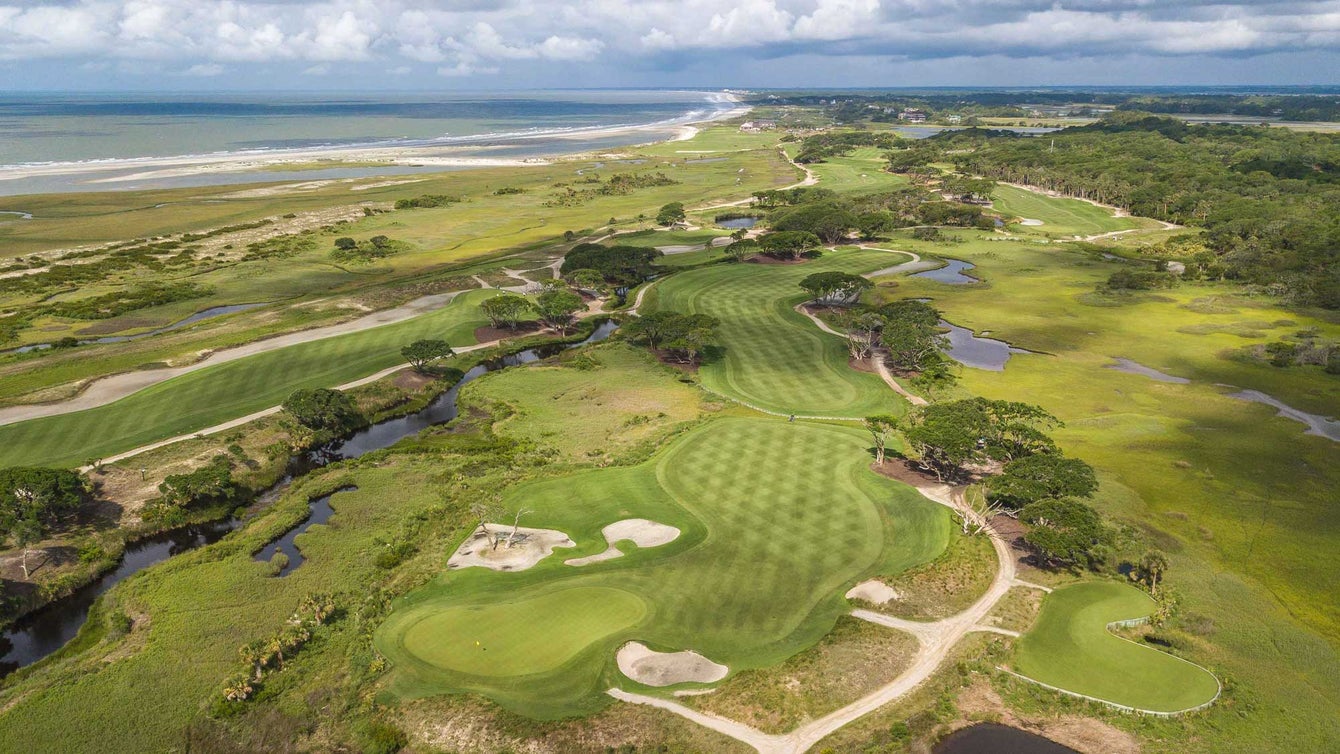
x=777, y=520
x=775, y=358
x=518, y=638
x=1071, y=648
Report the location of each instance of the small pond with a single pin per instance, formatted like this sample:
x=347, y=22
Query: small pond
x=991, y=738
x=738, y=223
x=978, y=353
x=951, y=273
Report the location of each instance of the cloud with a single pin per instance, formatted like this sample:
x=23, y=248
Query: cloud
x=469, y=37
x=205, y=70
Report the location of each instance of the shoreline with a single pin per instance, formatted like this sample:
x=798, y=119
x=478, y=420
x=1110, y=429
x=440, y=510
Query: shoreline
x=458, y=155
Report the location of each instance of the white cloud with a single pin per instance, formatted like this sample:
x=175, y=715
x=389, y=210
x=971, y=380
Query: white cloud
x=204, y=70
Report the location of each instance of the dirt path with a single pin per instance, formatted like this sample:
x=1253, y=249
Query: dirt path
x=114, y=387
x=935, y=641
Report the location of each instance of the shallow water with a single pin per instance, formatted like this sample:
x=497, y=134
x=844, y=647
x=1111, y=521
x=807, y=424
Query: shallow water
x=39, y=634
x=216, y=311
x=951, y=274
x=1133, y=367
x=319, y=513
x=1316, y=423
x=978, y=353
x=739, y=223
x=990, y=738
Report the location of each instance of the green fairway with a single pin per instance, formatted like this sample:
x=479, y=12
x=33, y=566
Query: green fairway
x=523, y=637
x=756, y=575
x=201, y=399
x=1060, y=217
x=775, y=358
x=1071, y=648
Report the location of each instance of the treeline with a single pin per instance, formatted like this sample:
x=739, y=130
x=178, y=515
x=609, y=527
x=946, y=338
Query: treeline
x=1277, y=226
x=820, y=147
x=833, y=217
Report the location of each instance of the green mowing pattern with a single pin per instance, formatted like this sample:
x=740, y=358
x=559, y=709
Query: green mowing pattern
x=777, y=519
x=201, y=399
x=1067, y=217
x=775, y=358
x=1071, y=648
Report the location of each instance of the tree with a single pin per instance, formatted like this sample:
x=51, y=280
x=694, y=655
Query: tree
x=1065, y=531
x=516, y=525
x=620, y=265
x=558, y=308
x=589, y=279
x=505, y=310
x=830, y=221
x=670, y=214
x=210, y=483
x=653, y=328
x=862, y=332
x=485, y=511
x=1151, y=569
x=1041, y=476
x=977, y=511
x=789, y=244
x=743, y=249
x=323, y=409
x=690, y=335
x=945, y=437
x=26, y=532
x=880, y=428
x=938, y=372
x=421, y=353
x=36, y=498
x=346, y=244
x=835, y=287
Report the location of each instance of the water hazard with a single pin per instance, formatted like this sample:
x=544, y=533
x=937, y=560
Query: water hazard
x=990, y=738
x=977, y=352
x=739, y=223
x=951, y=273
x=41, y=633
x=217, y=311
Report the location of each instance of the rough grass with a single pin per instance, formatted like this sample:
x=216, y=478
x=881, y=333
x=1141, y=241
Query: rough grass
x=946, y=585
x=735, y=586
x=775, y=358
x=1071, y=648
x=216, y=394
x=854, y=659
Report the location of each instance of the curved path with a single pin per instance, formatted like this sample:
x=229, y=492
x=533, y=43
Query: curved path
x=935, y=640
x=104, y=390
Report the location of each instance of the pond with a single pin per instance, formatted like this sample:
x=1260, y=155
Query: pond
x=217, y=311
x=44, y=631
x=951, y=273
x=976, y=352
x=739, y=223
x=991, y=738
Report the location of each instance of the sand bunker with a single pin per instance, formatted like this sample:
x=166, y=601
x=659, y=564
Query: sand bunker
x=1029, y=221
x=653, y=668
x=873, y=591
x=530, y=547
x=639, y=531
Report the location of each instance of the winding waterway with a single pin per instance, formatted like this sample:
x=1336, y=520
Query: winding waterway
x=977, y=352
x=215, y=311
x=46, y=630
x=951, y=273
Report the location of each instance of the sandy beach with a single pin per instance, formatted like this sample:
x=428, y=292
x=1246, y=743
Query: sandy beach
x=446, y=156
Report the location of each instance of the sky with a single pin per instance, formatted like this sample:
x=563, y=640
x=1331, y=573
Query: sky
x=181, y=45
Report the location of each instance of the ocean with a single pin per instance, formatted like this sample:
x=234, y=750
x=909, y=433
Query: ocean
x=97, y=131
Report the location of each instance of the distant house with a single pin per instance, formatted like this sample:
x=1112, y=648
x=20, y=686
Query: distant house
x=913, y=115
x=955, y=118
x=758, y=125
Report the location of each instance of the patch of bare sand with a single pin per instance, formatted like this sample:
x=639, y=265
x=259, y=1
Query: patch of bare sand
x=873, y=591
x=529, y=547
x=1085, y=734
x=639, y=531
x=647, y=666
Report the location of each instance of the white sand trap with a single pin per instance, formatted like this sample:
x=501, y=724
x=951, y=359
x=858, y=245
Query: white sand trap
x=1029, y=221
x=530, y=547
x=873, y=591
x=654, y=668
x=639, y=531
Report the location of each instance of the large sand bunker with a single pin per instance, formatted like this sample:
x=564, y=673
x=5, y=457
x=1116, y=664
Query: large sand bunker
x=1030, y=222
x=528, y=548
x=653, y=668
x=639, y=531
x=873, y=591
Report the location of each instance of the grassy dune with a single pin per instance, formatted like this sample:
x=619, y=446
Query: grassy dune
x=734, y=586
x=1071, y=648
x=775, y=358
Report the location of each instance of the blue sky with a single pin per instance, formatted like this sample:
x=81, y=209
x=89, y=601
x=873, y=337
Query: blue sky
x=483, y=44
